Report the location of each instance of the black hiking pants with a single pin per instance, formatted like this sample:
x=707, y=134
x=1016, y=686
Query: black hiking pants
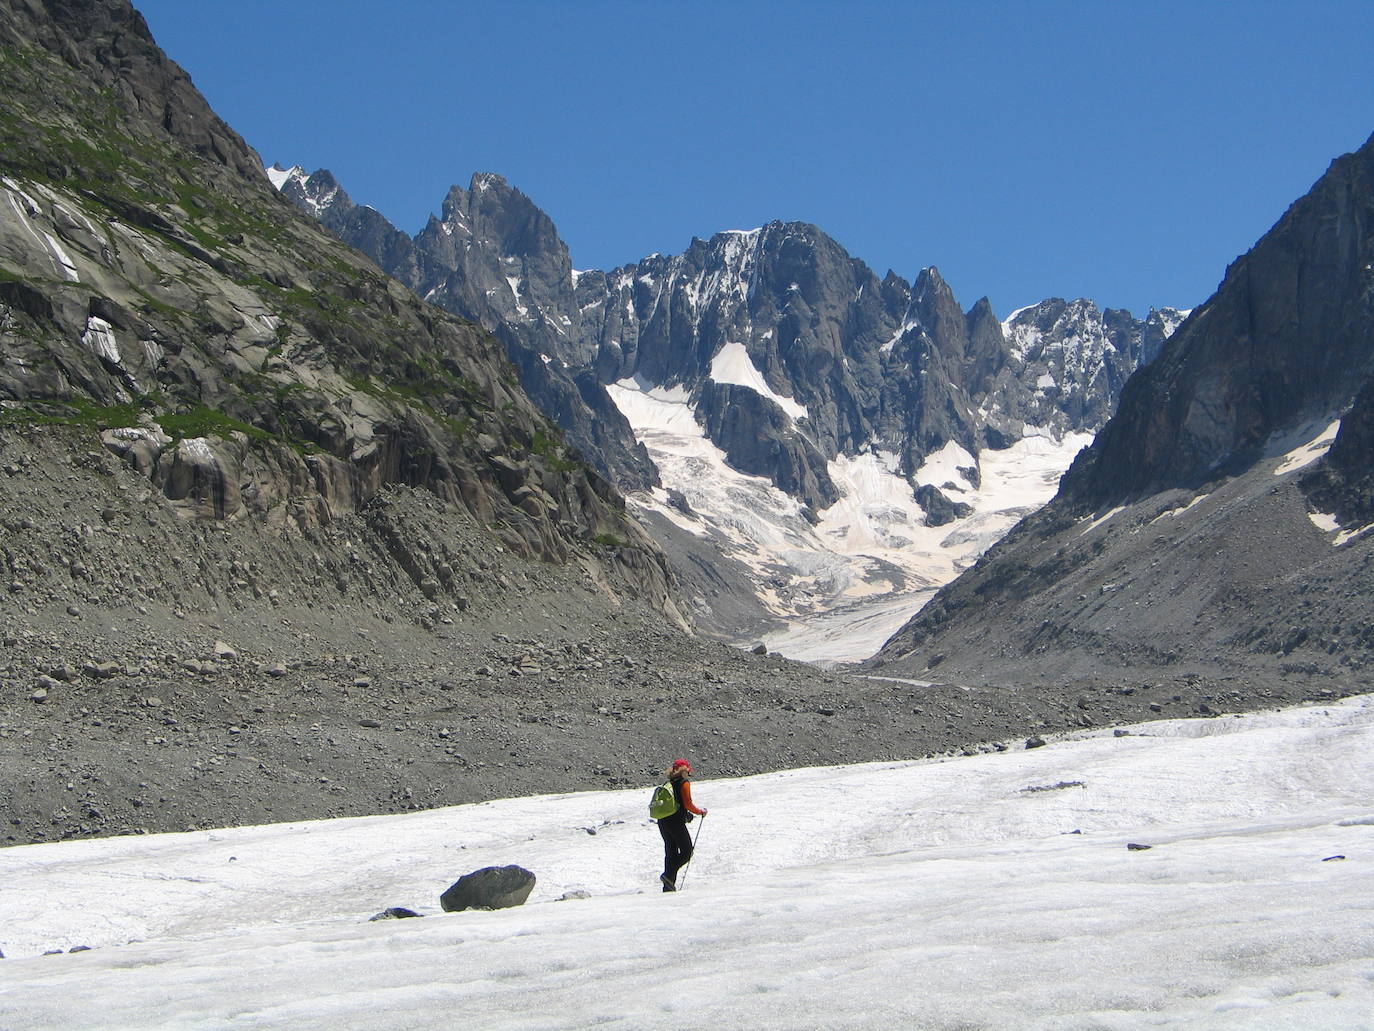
x=677, y=844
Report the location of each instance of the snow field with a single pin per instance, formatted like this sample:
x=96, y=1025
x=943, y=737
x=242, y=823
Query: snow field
x=732, y=364
x=934, y=894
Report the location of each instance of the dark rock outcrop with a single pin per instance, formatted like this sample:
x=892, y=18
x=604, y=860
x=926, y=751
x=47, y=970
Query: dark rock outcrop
x=492, y=887
x=940, y=511
x=759, y=437
x=394, y=913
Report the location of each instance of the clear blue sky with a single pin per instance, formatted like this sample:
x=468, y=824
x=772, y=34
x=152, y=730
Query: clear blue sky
x=1120, y=151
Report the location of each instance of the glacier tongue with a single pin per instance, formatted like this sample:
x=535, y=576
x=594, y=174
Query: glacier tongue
x=839, y=588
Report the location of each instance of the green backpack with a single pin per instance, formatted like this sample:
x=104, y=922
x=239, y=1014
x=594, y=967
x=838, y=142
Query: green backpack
x=664, y=803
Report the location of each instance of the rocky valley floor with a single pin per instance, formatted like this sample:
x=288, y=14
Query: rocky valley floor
x=158, y=674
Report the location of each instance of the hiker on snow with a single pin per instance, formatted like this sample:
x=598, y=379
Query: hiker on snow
x=677, y=840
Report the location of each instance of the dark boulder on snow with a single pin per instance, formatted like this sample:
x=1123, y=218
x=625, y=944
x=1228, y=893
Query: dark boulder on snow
x=940, y=510
x=492, y=887
x=394, y=913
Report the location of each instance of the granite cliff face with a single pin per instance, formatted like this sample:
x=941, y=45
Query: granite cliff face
x=1286, y=338
x=792, y=351
x=1079, y=358
x=1215, y=530
x=156, y=289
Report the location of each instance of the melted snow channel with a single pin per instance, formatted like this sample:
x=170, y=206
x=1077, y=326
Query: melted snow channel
x=99, y=338
x=27, y=209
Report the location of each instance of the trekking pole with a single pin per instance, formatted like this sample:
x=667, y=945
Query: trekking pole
x=694, y=852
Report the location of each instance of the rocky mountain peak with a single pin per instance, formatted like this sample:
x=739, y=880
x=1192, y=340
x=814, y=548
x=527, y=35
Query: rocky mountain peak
x=109, y=43
x=319, y=194
x=495, y=214
x=505, y=248
x=849, y=362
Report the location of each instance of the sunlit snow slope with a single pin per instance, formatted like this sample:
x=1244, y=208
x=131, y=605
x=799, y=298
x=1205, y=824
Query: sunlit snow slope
x=842, y=587
x=990, y=891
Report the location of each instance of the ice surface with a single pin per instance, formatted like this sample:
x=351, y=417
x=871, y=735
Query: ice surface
x=944, y=467
x=1324, y=521
x=981, y=892
x=1180, y=510
x=1328, y=523
x=1346, y=536
x=1103, y=518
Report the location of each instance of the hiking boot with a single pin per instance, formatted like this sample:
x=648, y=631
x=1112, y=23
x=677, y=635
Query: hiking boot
x=668, y=883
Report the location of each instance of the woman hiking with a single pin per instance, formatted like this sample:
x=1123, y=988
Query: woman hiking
x=677, y=841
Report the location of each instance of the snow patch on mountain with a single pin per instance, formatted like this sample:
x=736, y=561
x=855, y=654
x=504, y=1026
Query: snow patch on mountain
x=279, y=176
x=733, y=365
x=947, y=468
x=1304, y=446
x=905, y=328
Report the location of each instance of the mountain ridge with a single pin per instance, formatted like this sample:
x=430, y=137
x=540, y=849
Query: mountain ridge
x=793, y=360
x=664, y=318
x=1214, y=531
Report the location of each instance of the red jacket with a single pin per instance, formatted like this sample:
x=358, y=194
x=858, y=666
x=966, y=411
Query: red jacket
x=683, y=790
